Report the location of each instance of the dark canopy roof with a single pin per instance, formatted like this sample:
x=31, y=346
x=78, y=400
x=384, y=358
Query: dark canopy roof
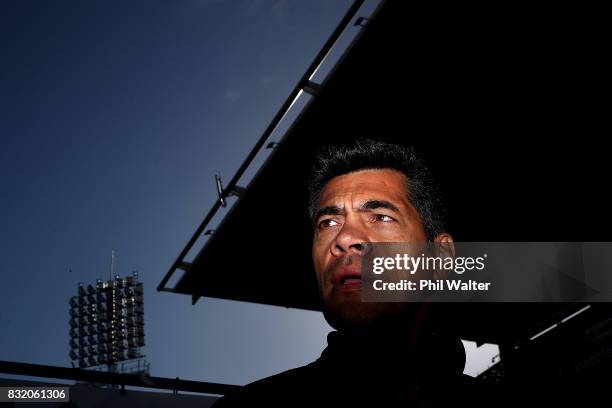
x=499, y=109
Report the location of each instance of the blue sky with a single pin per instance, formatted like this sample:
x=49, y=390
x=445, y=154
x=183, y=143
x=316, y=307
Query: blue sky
x=114, y=118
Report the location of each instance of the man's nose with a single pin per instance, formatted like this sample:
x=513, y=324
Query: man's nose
x=350, y=240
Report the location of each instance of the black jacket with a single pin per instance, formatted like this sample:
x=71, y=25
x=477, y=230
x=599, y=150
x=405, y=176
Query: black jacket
x=374, y=370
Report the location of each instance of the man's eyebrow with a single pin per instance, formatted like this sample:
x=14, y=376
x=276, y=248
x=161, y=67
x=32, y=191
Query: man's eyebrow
x=328, y=210
x=367, y=206
x=376, y=204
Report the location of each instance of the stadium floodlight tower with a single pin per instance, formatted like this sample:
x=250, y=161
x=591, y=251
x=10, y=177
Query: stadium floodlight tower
x=107, y=326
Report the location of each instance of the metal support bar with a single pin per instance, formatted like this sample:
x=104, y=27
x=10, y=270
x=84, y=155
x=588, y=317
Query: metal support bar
x=101, y=377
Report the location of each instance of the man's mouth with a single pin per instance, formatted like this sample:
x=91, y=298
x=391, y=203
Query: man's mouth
x=347, y=279
x=351, y=280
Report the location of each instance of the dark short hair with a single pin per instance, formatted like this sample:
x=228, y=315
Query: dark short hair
x=363, y=154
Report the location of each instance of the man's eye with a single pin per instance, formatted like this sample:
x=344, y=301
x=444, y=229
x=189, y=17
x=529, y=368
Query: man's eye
x=383, y=218
x=328, y=223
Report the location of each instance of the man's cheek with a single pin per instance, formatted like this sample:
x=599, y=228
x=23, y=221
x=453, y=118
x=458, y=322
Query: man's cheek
x=318, y=257
x=317, y=269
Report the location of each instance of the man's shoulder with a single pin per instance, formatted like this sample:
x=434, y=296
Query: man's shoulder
x=303, y=386
x=276, y=388
x=291, y=378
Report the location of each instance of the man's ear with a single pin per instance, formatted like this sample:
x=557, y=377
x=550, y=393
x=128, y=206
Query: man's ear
x=444, y=248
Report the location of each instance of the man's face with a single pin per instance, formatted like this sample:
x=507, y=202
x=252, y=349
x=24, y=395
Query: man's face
x=356, y=208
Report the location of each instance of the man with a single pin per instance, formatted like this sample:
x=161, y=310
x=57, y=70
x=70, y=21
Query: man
x=381, y=354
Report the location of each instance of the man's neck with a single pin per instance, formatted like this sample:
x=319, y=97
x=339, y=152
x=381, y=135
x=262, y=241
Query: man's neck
x=401, y=342
x=406, y=329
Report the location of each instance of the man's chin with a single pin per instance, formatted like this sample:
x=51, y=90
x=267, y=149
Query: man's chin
x=356, y=314
x=352, y=313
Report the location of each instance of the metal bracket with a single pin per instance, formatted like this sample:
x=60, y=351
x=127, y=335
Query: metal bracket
x=175, y=390
x=312, y=88
x=236, y=191
x=363, y=22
